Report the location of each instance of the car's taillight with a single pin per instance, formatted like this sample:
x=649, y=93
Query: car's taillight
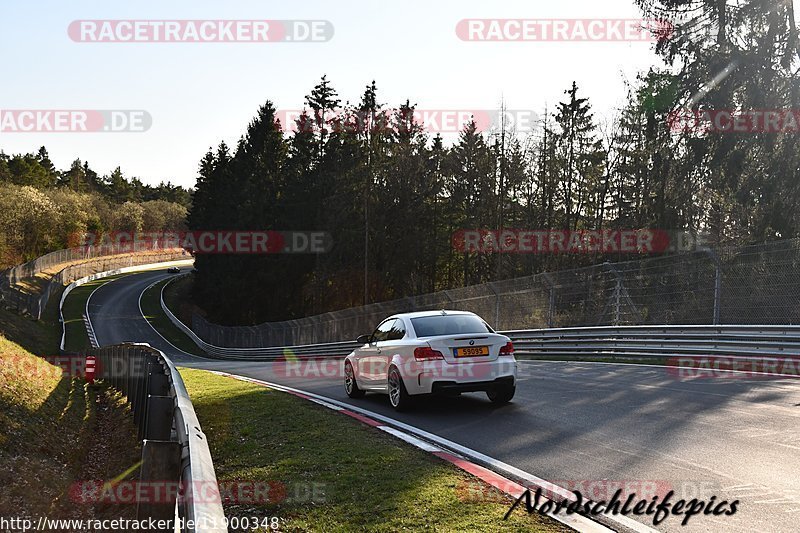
x=427, y=353
x=508, y=349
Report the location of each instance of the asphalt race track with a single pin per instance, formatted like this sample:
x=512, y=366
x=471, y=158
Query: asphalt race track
x=580, y=422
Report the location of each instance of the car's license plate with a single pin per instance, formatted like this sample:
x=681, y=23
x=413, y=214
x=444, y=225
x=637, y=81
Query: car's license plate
x=472, y=351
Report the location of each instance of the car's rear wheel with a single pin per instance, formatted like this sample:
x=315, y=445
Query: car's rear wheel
x=350, y=385
x=501, y=395
x=398, y=395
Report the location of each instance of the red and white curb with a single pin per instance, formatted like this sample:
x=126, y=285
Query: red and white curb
x=463, y=458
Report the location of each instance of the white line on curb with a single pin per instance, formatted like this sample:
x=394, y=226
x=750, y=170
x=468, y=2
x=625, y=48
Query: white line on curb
x=414, y=441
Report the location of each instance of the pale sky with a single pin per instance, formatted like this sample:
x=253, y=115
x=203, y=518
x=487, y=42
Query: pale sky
x=199, y=94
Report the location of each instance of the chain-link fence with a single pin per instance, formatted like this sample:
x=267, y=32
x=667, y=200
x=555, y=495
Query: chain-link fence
x=742, y=285
x=91, y=260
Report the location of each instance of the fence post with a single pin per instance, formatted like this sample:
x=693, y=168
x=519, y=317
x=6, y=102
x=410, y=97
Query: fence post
x=717, y=283
x=496, y=305
x=447, y=295
x=617, y=291
x=551, y=306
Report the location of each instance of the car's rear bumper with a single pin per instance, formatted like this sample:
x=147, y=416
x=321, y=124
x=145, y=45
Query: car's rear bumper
x=443, y=377
x=452, y=387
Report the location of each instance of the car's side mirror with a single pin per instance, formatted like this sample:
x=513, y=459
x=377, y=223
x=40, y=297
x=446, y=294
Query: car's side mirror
x=363, y=339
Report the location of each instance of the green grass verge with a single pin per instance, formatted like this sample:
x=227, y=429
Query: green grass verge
x=151, y=307
x=76, y=339
x=338, y=474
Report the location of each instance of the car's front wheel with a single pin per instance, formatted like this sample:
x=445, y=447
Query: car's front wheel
x=350, y=385
x=501, y=395
x=398, y=395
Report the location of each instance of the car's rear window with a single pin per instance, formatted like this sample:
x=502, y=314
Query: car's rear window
x=431, y=326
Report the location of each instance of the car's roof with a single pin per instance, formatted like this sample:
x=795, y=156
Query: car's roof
x=420, y=314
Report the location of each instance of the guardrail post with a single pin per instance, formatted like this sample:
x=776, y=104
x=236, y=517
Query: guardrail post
x=130, y=358
x=138, y=391
x=158, y=420
x=133, y=383
x=116, y=368
x=140, y=416
x=157, y=387
x=159, y=478
x=101, y=364
x=157, y=414
x=143, y=369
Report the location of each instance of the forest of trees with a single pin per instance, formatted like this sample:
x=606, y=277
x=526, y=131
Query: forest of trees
x=42, y=209
x=398, y=193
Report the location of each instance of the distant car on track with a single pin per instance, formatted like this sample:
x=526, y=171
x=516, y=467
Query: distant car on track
x=432, y=352
x=174, y=270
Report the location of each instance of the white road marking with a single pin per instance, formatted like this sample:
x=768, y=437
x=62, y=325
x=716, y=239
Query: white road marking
x=419, y=443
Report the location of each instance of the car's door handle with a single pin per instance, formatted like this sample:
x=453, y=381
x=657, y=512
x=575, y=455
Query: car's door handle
x=379, y=350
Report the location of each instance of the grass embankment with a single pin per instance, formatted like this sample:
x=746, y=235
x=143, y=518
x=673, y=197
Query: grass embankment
x=56, y=430
x=336, y=473
x=37, y=336
x=151, y=308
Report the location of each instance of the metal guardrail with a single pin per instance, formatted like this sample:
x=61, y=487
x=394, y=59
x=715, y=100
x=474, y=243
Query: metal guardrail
x=334, y=349
x=611, y=341
x=175, y=448
x=660, y=341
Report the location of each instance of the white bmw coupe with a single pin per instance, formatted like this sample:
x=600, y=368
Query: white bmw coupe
x=432, y=352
